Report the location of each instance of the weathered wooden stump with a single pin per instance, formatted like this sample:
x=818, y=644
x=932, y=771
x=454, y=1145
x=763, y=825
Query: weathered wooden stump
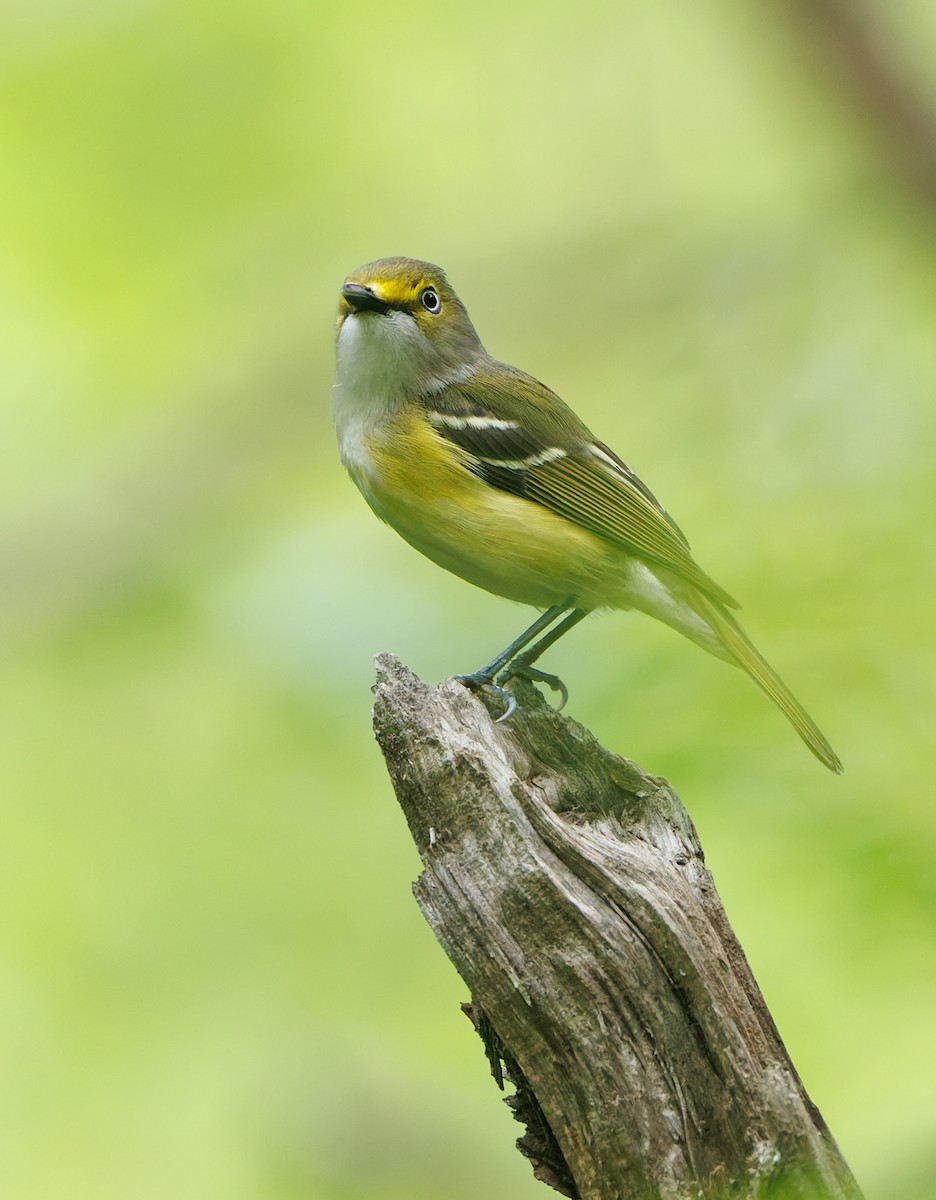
x=570, y=891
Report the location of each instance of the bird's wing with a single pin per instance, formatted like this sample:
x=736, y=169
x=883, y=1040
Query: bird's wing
x=520, y=437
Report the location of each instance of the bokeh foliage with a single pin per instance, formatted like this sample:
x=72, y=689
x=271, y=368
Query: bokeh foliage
x=213, y=979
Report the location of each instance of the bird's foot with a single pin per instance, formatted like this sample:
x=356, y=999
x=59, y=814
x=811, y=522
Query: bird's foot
x=534, y=675
x=498, y=685
x=481, y=680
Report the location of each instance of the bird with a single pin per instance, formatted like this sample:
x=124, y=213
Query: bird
x=492, y=476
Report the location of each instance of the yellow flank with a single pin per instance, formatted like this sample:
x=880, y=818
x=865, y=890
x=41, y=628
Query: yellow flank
x=419, y=484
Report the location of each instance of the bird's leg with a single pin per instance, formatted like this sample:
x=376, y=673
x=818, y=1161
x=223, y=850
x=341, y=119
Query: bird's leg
x=520, y=664
x=497, y=666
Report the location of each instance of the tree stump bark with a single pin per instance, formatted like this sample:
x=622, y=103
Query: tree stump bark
x=569, y=890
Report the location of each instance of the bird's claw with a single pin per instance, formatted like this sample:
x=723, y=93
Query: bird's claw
x=499, y=686
x=511, y=703
x=479, y=680
x=534, y=675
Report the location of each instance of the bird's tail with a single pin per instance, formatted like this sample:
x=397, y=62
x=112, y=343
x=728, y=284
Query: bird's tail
x=736, y=642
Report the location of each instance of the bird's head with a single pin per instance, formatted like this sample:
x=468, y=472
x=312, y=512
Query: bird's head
x=403, y=316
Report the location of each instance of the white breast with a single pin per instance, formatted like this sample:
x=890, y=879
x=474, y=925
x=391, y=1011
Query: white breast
x=370, y=381
x=383, y=360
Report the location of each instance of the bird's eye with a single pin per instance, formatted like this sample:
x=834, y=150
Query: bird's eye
x=429, y=298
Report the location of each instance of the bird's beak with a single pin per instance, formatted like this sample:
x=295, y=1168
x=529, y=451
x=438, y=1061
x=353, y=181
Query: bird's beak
x=362, y=299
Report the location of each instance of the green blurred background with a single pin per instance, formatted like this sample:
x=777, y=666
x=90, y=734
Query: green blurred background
x=713, y=230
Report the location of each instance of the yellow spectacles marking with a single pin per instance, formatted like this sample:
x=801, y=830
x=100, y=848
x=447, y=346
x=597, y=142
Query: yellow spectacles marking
x=397, y=290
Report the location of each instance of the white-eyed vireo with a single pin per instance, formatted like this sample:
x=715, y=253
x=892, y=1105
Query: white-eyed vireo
x=489, y=474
